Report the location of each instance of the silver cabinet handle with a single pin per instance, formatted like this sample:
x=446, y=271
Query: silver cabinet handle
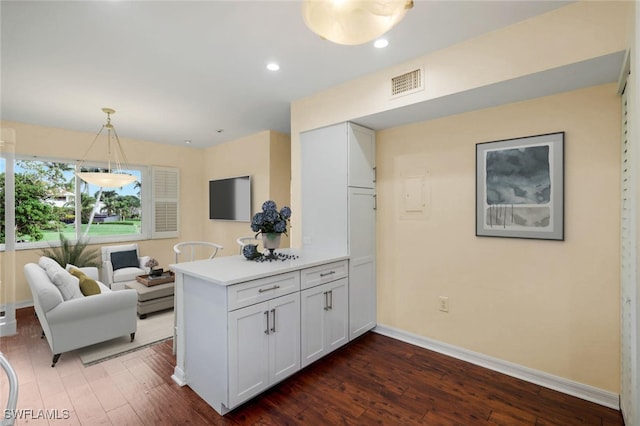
x=267, y=315
x=328, y=273
x=273, y=326
x=330, y=299
x=375, y=174
x=275, y=287
x=326, y=300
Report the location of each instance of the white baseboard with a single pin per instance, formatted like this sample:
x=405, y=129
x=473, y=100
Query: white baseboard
x=178, y=376
x=560, y=384
x=24, y=304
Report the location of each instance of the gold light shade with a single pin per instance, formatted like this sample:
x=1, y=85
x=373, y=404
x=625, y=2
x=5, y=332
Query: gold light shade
x=353, y=22
x=112, y=178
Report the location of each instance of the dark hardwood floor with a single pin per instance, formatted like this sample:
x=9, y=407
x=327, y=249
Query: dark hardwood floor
x=373, y=380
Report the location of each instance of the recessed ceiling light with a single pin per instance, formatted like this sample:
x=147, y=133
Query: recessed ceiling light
x=272, y=66
x=381, y=43
x=187, y=141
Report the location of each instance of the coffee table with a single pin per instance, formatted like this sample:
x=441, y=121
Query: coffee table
x=156, y=295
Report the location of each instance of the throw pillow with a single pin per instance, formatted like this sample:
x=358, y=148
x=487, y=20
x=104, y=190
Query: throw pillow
x=50, y=266
x=124, y=259
x=88, y=286
x=67, y=284
x=45, y=262
x=77, y=273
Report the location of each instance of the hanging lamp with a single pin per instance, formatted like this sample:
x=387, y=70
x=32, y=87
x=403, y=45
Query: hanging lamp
x=353, y=22
x=112, y=178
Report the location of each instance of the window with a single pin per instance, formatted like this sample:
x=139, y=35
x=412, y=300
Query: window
x=111, y=212
x=50, y=200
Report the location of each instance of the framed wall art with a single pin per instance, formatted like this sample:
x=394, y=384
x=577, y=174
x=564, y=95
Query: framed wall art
x=520, y=187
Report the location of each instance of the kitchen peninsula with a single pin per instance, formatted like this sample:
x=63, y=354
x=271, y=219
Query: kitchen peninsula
x=243, y=325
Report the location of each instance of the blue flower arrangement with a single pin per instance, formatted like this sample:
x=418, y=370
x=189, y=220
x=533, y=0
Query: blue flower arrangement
x=270, y=220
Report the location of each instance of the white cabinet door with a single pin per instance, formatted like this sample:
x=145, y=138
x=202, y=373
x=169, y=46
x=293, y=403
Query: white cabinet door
x=248, y=352
x=284, y=337
x=264, y=346
x=324, y=319
x=313, y=302
x=362, y=264
x=337, y=316
x=324, y=188
x=362, y=156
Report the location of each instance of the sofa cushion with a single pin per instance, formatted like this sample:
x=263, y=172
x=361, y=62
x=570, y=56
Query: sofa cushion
x=89, y=287
x=124, y=259
x=49, y=298
x=67, y=284
x=127, y=274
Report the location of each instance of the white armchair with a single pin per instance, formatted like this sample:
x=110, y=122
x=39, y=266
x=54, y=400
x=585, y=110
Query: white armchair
x=121, y=264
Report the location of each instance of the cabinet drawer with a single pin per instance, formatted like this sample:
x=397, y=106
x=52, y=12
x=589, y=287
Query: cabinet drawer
x=317, y=275
x=250, y=292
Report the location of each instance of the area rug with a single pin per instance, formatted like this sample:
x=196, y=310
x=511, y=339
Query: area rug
x=155, y=328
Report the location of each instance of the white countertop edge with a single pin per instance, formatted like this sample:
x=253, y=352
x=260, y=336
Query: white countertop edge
x=205, y=269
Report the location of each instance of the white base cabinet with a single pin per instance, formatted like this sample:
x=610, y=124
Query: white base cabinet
x=324, y=319
x=239, y=336
x=264, y=346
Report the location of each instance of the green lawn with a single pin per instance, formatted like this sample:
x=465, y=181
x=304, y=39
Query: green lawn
x=96, y=230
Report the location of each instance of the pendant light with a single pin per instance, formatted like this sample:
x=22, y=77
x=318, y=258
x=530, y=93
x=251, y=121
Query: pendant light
x=353, y=22
x=112, y=178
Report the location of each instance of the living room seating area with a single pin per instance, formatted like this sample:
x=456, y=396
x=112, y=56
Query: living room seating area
x=75, y=309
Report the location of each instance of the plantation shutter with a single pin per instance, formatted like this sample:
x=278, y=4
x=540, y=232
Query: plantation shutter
x=629, y=368
x=166, y=182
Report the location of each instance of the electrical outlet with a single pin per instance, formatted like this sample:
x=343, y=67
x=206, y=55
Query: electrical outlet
x=443, y=304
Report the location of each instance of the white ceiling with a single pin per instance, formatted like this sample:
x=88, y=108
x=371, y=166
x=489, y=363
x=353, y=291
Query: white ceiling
x=178, y=70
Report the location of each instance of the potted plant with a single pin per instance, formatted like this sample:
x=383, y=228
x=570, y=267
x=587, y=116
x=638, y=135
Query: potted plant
x=151, y=264
x=271, y=224
x=70, y=253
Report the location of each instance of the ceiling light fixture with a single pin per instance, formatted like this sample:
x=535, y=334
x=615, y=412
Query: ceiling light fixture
x=381, y=43
x=353, y=22
x=112, y=178
x=272, y=66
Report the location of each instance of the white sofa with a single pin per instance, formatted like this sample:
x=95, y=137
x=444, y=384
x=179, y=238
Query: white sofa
x=79, y=320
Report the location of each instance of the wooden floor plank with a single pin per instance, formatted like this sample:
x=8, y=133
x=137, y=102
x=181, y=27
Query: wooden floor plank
x=372, y=380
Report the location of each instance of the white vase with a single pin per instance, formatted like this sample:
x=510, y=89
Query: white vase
x=271, y=241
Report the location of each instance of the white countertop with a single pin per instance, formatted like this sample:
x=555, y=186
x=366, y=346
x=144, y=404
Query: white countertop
x=229, y=270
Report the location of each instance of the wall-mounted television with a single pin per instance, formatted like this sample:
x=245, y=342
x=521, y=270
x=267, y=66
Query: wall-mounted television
x=230, y=199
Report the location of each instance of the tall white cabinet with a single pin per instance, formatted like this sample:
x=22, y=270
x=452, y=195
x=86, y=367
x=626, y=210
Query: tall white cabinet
x=338, y=204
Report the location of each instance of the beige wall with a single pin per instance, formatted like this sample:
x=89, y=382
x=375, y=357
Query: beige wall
x=266, y=157
x=548, y=305
x=47, y=142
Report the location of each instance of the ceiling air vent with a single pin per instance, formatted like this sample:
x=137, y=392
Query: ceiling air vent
x=406, y=83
